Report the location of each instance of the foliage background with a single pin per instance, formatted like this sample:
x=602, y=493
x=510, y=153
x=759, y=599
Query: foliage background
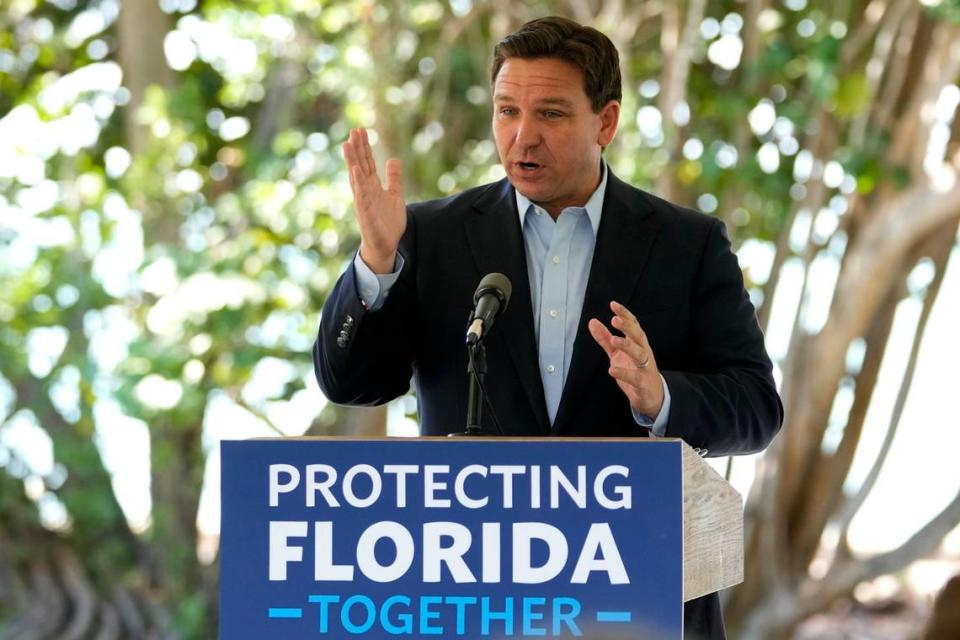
x=174, y=209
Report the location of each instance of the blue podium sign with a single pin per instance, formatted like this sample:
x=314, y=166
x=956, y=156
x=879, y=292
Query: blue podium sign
x=472, y=538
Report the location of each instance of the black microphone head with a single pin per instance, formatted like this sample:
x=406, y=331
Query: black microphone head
x=497, y=284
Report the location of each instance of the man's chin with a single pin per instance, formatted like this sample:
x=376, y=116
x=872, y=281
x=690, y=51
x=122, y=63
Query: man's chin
x=533, y=190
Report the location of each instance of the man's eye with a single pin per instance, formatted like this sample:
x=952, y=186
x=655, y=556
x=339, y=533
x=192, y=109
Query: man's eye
x=507, y=111
x=552, y=115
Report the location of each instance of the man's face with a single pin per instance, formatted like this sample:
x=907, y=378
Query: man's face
x=548, y=136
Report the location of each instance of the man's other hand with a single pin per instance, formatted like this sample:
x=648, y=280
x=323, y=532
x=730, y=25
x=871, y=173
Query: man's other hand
x=632, y=363
x=381, y=213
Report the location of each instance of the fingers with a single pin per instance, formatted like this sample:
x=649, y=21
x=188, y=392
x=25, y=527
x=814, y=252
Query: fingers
x=633, y=344
x=349, y=152
x=362, y=169
x=357, y=184
x=366, y=153
x=630, y=355
x=602, y=336
x=637, y=353
x=395, y=177
x=357, y=153
x=628, y=375
x=627, y=323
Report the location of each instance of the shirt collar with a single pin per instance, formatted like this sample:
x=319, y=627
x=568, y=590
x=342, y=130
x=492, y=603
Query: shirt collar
x=594, y=205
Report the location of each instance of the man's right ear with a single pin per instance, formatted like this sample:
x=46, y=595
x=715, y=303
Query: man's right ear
x=609, y=119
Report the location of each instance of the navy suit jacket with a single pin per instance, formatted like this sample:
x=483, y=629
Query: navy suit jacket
x=672, y=267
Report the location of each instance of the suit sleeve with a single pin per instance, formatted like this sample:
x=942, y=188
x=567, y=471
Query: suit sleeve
x=362, y=356
x=729, y=403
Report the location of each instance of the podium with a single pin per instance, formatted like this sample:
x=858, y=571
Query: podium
x=470, y=537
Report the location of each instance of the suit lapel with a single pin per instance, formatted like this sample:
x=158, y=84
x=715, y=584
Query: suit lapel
x=496, y=242
x=626, y=234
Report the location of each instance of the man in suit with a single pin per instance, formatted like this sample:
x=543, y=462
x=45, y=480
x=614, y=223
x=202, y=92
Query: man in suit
x=586, y=253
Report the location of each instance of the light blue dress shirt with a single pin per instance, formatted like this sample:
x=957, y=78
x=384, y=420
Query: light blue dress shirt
x=559, y=254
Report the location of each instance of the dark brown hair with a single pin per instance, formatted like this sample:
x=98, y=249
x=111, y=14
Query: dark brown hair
x=584, y=47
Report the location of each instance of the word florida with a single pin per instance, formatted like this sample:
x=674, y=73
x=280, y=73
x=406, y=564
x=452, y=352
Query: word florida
x=450, y=545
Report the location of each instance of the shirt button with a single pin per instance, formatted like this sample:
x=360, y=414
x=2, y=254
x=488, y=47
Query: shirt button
x=551, y=368
x=554, y=313
x=556, y=259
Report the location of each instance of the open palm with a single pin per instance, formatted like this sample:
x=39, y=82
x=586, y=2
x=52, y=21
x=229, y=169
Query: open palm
x=381, y=212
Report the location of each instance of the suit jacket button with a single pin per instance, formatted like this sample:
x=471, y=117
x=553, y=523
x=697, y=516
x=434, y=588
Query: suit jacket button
x=341, y=342
x=344, y=334
x=349, y=320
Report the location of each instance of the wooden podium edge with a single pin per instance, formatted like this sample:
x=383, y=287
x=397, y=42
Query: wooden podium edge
x=712, y=529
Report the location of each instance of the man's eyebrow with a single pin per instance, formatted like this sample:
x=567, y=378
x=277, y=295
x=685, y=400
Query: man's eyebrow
x=562, y=102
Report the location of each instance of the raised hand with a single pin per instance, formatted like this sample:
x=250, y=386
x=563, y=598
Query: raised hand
x=632, y=363
x=381, y=213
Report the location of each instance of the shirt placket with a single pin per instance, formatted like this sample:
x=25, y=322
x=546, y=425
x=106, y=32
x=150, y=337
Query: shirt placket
x=552, y=311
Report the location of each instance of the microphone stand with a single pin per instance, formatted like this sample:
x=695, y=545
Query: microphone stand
x=476, y=370
x=491, y=297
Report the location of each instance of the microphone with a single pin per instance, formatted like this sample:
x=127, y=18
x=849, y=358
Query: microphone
x=489, y=301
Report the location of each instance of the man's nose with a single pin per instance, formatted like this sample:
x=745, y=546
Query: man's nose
x=528, y=132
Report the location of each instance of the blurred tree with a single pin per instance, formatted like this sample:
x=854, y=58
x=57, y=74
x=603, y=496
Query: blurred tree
x=173, y=210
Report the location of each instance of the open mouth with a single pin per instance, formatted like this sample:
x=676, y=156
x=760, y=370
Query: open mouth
x=528, y=166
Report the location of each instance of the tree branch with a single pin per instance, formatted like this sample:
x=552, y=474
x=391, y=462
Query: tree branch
x=853, y=505
x=890, y=25
x=677, y=43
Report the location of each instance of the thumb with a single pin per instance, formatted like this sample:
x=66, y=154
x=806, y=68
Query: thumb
x=395, y=177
